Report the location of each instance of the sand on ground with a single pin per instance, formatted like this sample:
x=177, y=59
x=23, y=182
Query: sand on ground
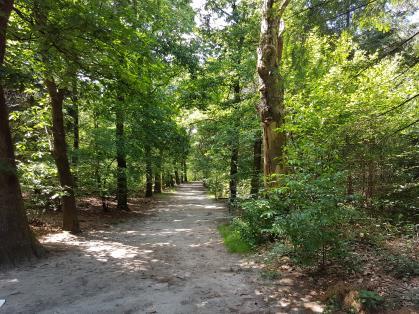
x=170, y=261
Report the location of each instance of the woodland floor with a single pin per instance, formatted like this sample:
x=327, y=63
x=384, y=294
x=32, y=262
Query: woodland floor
x=169, y=259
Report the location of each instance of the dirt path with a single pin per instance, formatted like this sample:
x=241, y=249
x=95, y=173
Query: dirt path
x=172, y=261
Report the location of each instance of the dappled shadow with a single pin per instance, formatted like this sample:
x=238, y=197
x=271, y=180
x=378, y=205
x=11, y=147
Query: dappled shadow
x=170, y=262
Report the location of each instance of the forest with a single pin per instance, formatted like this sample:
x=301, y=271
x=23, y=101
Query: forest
x=289, y=128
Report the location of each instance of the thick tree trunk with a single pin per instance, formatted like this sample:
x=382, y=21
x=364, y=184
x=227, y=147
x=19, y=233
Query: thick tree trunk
x=148, y=173
x=122, y=186
x=257, y=165
x=17, y=242
x=271, y=107
x=70, y=221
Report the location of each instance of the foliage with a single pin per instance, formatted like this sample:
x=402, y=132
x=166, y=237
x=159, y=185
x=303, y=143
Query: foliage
x=232, y=240
x=370, y=299
x=309, y=214
x=402, y=266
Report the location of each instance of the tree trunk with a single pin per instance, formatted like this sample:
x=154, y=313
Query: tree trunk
x=185, y=171
x=234, y=158
x=177, y=178
x=74, y=113
x=17, y=241
x=148, y=173
x=271, y=107
x=70, y=221
x=157, y=182
x=233, y=171
x=257, y=163
x=158, y=177
x=122, y=186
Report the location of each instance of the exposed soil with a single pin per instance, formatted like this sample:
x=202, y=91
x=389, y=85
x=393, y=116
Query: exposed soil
x=171, y=260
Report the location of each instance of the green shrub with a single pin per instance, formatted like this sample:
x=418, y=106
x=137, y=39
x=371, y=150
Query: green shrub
x=316, y=233
x=232, y=240
x=371, y=300
x=255, y=223
x=309, y=214
x=402, y=266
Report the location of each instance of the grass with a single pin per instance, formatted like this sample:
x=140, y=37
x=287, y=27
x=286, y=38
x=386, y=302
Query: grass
x=232, y=240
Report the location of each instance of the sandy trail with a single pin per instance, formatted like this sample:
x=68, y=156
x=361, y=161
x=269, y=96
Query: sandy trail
x=172, y=261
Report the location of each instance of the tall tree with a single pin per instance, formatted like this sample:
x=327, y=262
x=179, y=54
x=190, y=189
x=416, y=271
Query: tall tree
x=57, y=95
x=70, y=220
x=18, y=242
x=271, y=107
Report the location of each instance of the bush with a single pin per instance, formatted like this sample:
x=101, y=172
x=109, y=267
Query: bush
x=314, y=234
x=307, y=214
x=255, y=223
x=232, y=240
x=402, y=266
x=371, y=300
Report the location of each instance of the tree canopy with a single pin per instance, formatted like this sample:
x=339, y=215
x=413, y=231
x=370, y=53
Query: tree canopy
x=302, y=114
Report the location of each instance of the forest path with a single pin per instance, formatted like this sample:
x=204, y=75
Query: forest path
x=172, y=261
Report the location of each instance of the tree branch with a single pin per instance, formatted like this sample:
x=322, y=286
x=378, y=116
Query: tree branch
x=405, y=127
x=399, y=105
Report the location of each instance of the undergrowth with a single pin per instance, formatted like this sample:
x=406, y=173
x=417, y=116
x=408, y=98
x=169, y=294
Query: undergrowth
x=232, y=240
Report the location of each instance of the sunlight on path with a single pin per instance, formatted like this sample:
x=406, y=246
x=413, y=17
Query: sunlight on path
x=172, y=261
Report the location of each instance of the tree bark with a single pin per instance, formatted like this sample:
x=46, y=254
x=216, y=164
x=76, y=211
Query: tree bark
x=17, y=241
x=148, y=173
x=233, y=171
x=158, y=177
x=185, y=171
x=74, y=113
x=177, y=178
x=234, y=158
x=257, y=165
x=271, y=106
x=122, y=186
x=157, y=182
x=70, y=220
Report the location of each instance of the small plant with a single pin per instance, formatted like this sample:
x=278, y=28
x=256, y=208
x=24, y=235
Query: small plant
x=402, y=266
x=255, y=223
x=270, y=274
x=370, y=300
x=315, y=222
x=232, y=240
